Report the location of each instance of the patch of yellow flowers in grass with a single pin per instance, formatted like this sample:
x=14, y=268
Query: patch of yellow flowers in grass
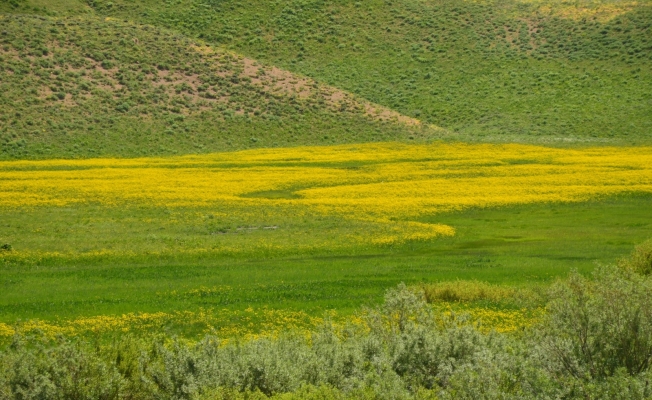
x=252, y=324
x=448, y=299
x=390, y=184
x=488, y=319
x=508, y=313
x=227, y=324
x=6, y=330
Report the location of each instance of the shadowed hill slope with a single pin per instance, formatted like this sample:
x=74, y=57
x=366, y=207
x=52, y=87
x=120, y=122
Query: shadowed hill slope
x=89, y=87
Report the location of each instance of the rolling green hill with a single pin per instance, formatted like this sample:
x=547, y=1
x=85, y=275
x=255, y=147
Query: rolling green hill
x=546, y=72
x=491, y=70
x=83, y=87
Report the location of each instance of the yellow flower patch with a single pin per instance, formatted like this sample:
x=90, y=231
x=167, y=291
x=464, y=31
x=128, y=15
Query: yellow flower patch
x=387, y=184
x=225, y=324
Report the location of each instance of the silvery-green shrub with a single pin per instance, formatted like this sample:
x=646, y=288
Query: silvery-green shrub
x=66, y=371
x=596, y=327
x=640, y=261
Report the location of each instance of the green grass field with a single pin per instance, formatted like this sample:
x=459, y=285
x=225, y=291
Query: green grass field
x=517, y=246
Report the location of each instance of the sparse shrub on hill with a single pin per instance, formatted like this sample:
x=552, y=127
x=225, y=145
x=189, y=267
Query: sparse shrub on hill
x=495, y=70
x=507, y=71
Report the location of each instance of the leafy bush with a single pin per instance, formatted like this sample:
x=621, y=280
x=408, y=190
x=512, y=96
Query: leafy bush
x=66, y=371
x=596, y=328
x=640, y=261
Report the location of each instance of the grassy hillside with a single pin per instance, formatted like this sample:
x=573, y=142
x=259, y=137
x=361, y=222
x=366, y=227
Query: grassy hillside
x=496, y=70
x=90, y=87
x=509, y=71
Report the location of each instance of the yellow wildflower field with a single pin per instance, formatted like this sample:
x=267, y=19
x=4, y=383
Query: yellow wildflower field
x=389, y=184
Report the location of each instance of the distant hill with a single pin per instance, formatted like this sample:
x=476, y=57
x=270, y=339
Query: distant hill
x=500, y=70
x=490, y=70
x=84, y=86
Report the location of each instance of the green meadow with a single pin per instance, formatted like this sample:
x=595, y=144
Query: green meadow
x=518, y=246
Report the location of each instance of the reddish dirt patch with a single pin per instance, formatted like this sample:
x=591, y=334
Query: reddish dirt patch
x=280, y=81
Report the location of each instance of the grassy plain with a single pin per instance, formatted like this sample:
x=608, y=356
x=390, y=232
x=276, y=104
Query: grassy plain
x=517, y=246
x=308, y=229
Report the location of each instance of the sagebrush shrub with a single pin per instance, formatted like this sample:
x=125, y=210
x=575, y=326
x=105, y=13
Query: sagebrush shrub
x=66, y=371
x=640, y=261
x=594, y=328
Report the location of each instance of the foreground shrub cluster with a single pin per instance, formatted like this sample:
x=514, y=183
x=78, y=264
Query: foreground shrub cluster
x=595, y=342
